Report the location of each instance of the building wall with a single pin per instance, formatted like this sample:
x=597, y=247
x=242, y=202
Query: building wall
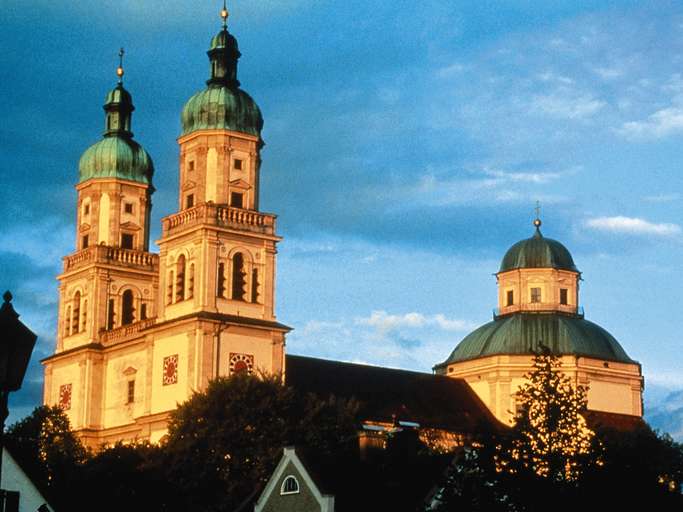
x=612, y=387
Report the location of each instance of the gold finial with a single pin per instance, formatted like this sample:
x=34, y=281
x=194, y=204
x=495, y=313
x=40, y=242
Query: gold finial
x=224, y=15
x=119, y=70
x=537, y=220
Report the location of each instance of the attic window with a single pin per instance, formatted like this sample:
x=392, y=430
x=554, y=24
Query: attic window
x=535, y=295
x=238, y=164
x=290, y=485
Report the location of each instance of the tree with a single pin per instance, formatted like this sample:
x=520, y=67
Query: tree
x=551, y=438
x=224, y=443
x=46, y=446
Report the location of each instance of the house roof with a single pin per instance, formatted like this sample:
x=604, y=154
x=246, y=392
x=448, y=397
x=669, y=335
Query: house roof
x=612, y=421
x=387, y=394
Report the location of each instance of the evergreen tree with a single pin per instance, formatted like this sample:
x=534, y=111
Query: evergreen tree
x=551, y=438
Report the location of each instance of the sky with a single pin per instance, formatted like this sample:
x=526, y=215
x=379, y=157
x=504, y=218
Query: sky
x=406, y=146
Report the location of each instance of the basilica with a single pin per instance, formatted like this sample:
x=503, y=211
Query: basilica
x=139, y=331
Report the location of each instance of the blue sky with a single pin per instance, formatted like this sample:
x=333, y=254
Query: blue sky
x=406, y=146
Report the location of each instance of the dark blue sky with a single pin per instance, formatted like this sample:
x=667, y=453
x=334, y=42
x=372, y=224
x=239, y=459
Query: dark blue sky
x=406, y=145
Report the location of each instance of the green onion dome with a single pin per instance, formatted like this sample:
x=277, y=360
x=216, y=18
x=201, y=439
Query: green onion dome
x=538, y=252
x=222, y=105
x=117, y=155
x=529, y=333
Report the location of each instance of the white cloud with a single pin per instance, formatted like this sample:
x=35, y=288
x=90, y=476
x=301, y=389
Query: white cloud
x=660, y=124
x=525, y=177
x=385, y=322
x=566, y=104
x=632, y=225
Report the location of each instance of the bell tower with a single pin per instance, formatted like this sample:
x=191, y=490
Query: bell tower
x=109, y=281
x=217, y=253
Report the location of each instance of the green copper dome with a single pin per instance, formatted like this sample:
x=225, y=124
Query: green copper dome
x=526, y=333
x=117, y=155
x=538, y=252
x=222, y=105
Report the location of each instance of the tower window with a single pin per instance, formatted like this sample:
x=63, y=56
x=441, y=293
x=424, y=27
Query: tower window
x=86, y=209
x=190, y=282
x=84, y=242
x=238, y=164
x=254, y=286
x=190, y=165
x=130, y=398
x=126, y=241
x=111, y=315
x=510, y=297
x=535, y=295
x=180, y=278
x=220, y=285
x=127, y=309
x=143, y=311
x=238, y=277
x=189, y=201
x=563, y=296
x=76, y=313
x=128, y=207
x=236, y=199
x=169, y=288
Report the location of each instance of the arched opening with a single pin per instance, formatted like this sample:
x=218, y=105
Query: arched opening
x=169, y=288
x=254, y=286
x=238, y=277
x=190, y=282
x=67, y=321
x=290, y=485
x=127, y=309
x=84, y=315
x=76, y=313
x=180, y=278
x=220, y=281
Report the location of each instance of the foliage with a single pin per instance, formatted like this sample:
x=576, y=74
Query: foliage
x=45, y=445
x=550, y=436
x=223, y=443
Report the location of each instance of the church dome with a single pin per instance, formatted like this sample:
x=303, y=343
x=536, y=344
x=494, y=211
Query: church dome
x=538, y=252
x=116, y=157
x=528, y=333
x=222, y=107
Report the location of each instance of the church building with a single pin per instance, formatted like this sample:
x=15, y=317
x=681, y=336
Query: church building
x=139, y=332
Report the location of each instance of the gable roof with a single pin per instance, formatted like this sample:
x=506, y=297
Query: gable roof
x=387, y=394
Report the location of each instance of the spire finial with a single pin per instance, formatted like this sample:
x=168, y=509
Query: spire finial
x=537, y=220
x=224, y=15
x=119, y=70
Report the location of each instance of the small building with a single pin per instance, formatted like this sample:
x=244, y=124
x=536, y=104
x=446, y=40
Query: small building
x=20, y=492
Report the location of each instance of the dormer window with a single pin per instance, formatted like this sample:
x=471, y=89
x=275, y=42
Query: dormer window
x=535, y=295
x=510, y=298
x=290, y=485
x=563, y=296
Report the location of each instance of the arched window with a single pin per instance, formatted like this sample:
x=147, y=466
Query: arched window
x=127, y=309
x=220, y=280
x=190, y=282
x=180, y=278
x=169, y=288
x=84, y=315
x=290, y=485
x=111, y=314
x=238, y=274
x=76, y=313
x=67, y=321
x=254, y=285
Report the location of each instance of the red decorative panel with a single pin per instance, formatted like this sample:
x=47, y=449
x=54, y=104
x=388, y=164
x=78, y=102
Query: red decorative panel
x=65, y=396
x=170, y=370
x=241, y=363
